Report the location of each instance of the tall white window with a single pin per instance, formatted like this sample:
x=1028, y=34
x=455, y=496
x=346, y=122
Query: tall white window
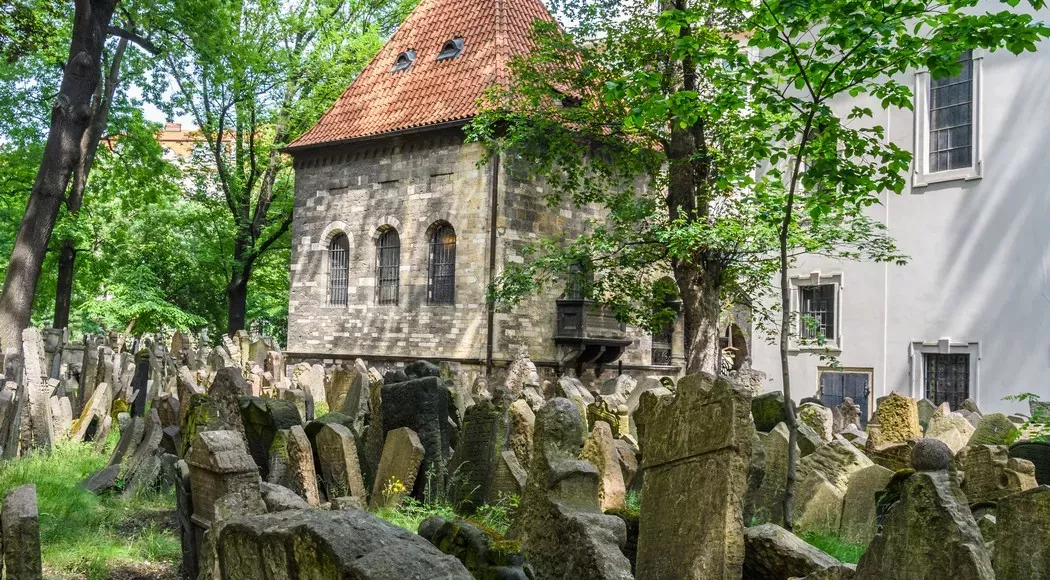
x=947, y=128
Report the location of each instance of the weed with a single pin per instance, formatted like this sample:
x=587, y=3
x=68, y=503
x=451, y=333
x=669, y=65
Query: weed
x=834, y=545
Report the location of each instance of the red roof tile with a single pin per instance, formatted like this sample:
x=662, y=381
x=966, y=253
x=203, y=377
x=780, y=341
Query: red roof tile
x=431, y=92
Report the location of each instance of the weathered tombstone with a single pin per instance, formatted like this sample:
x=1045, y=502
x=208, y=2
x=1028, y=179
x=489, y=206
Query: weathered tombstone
x=563, y=533
x=1021, y=520
x=225, y=393
x=374, y=434
x=301, y=470
x=522, y=422
x=61, y=416
x=355, y=404
x=898, y=421
x=522, y=371
x=926, y=409
x=168, y=408
x=819, y=418
x=994, y=429
x=823, y=478
x=473, y=465
x=422, y=405
x=850, y=413
x=89, y=372
x=338, y=381
x=768, y=410
x=20, y=522
x=928, y=532
x=262, y=418
x=398, y=467
x=310, y=379
x=773, y=552
x=694, y=528
x=991, y=474
x=189, y=533
x=572, y=389
x=274, y=364
x=600, y=450
x=1038, y=452
x=950, y=428
x=509, y=478
x=219, y=464
x=858, y=523
x=37, y=432
x=337, y=455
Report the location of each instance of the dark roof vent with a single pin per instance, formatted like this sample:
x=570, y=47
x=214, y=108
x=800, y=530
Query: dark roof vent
x=451, y=49
x=404, y=60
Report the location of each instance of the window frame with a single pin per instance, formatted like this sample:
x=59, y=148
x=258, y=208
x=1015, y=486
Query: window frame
x=922, y=175
x=943, y=346
x=816, y=278
x=432, y=275
x=395, y=267
x=329, y=301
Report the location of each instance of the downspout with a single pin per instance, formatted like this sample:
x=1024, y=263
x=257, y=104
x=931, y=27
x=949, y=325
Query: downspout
x=493, y=213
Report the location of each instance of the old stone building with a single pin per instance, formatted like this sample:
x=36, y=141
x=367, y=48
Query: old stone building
x=400, y=225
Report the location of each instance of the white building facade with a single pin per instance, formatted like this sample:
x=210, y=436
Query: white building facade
x=969, y=315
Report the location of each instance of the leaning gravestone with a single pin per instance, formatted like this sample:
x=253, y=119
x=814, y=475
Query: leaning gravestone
x=38, y=433
x=338, y=381
x=262, y=419
x=1021, y=520
x=474, y=464
x=562, y=531
x=424, y=406
x=1038, y=452
x=858, y=505
x=600, y=450
x=398, y=467
x=929, y=531
x=340, y=468
x=994, y=429
x=19, y=520
x=823, y=478
x=690, y=527
x=301, y=469
x=765, y=501
x=768, y=410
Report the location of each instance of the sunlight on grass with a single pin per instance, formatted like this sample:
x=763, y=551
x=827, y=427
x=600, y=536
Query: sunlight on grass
x=89, y=534
x=834, y=545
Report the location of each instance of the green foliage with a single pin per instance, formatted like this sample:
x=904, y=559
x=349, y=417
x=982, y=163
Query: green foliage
x=411, y=512
x=498, y=516
x=87, y=534
x=834, y=545
x=1037, y=426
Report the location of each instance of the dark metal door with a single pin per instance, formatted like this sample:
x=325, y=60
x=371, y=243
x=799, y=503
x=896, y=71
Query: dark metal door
x=836, y=386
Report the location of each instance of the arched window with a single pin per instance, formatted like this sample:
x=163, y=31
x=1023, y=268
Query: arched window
x=388, y=265
x=338, y=269
x=404, y=60
x=441, y=281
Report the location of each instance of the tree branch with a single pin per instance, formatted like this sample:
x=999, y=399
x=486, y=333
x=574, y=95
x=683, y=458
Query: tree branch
x=145, y=43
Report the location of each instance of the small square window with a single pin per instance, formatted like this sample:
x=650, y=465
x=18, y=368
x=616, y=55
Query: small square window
x=946, y=378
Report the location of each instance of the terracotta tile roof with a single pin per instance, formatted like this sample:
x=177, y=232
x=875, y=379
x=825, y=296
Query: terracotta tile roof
x=431, y=92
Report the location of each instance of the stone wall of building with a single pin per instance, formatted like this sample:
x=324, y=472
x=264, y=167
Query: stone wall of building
x=411, y=183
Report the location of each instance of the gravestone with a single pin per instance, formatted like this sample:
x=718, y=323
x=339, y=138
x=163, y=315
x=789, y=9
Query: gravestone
x=37, y=432
x=600, y=450
x=356, y=403
x=168, y=408
x=20, y=522
x=510, y=477
x=927, y=532
x=819, y=418
x=225, y=393
x=1038, y=452
x=991, y=474
x=262, y=418
x=692, y=528
x=522, y=371
x=926, y=409
x=340, y=469
x=898, y=421
x=950, y=428
x=823, y=478
x=764, y=502
x=423, y=405
x=301, y=469
x=310, y=379
x=768, y=410
x=1021, y=522
x=563, y=533
x=338, y=381
x=398, y=468
x=858, y=524
x=374, y=434
x=522, y=423
x=219, y=464
x=773, y=552
x=89, y=372
x=994, y=429
x=850, y=413
x=473, y=466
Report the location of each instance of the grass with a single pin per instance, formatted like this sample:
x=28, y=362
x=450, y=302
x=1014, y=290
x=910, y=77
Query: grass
x=496, y=517
x=88, y=536
x=834, y=545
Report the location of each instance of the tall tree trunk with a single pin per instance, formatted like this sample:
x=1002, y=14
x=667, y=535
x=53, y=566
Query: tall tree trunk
x=701, y=307
x=70, y=118
x=237, y=289
x=88, y=148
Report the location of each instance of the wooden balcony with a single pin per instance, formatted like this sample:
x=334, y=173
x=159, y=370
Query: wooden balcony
x=591, y=329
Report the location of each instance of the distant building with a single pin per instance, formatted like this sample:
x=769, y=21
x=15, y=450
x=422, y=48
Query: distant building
x=969, y=315
x=398, y=229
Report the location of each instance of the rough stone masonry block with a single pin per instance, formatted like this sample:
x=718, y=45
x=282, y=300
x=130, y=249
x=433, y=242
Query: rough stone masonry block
x=692, y=527
x=1024, y=551
x=21, y=534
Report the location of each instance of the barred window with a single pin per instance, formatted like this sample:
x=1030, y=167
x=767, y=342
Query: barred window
x=951, y=119
x=947, y=378
x=661, y=349
x=817, y=310
x=388, y=265
x=338, y=269
x=441, y=281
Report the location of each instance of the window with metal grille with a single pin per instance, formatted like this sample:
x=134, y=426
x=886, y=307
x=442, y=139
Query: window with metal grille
x=817, y=312
x=338, y=270
x=946, y=378
x=441, y=282
x=661, y=349
x=388, y=265
x=951, y=119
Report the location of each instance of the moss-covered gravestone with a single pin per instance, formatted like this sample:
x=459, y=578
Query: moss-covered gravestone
x=767, y=410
